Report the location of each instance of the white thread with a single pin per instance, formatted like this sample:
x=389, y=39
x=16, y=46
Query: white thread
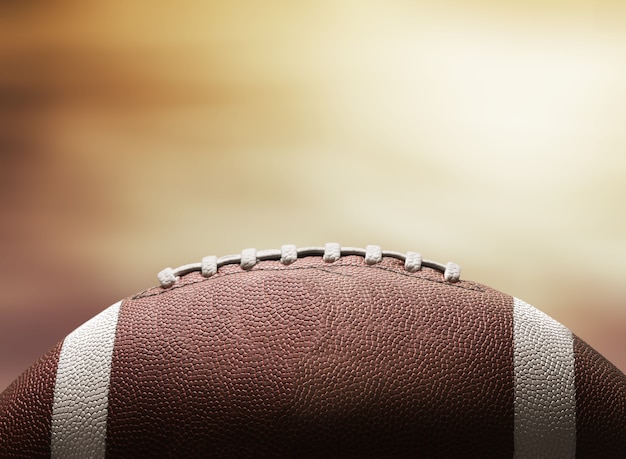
x=208, y=266
x=413, y=262
x=373, y=254
x=167, y=277
x=248, y=258
x=288, y=254
x=452, y=272
x=332, y=252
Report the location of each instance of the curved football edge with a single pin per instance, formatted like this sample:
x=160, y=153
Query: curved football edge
x=76, y=398
x=600, y=404
x=26, y=409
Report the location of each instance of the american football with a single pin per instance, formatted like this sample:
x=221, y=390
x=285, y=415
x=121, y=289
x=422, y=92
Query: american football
x=318, y=352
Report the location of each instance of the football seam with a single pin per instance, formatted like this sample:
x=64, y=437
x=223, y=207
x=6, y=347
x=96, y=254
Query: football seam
x=465, y=285
x=289, y=253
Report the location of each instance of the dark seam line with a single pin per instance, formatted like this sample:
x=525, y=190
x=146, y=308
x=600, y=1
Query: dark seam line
x=329, y=269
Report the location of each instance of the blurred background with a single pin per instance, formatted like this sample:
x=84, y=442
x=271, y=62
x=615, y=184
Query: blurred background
x=135, y=136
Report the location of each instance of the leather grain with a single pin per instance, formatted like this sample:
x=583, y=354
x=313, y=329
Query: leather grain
x=81, y=392
x=601, y=405
x=311, y=360
x=545, y=393
x=26, y=409
x=319, y=359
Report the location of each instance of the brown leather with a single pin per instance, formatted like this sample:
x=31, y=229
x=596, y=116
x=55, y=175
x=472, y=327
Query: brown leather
x=26, y=410
x=314, y=360
x=600, y=397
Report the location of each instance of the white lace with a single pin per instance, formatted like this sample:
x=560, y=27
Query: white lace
x=287, y=254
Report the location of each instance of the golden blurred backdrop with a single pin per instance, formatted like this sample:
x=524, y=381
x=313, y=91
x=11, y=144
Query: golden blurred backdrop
x=138, y=135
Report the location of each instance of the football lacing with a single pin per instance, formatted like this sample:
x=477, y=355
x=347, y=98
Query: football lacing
x=288, y=254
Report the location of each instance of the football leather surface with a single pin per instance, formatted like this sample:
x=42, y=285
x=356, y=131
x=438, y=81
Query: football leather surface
x=327, y=352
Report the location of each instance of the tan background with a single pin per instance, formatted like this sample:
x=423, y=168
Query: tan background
x=135, y=136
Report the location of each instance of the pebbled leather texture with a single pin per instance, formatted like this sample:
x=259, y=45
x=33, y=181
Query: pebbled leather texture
x=315, y=359
x=545, y=393
x=26, y=410
x=79, y=410
x=601, y=405
x=318, y=359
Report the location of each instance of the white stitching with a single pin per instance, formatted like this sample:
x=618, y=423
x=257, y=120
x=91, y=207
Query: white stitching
x=413, y=262
x=332, y=252
x=167, y=277
x=208, y=266
x=248, y=258
x=373, y=254
x=288, y=254
x=452, y=272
